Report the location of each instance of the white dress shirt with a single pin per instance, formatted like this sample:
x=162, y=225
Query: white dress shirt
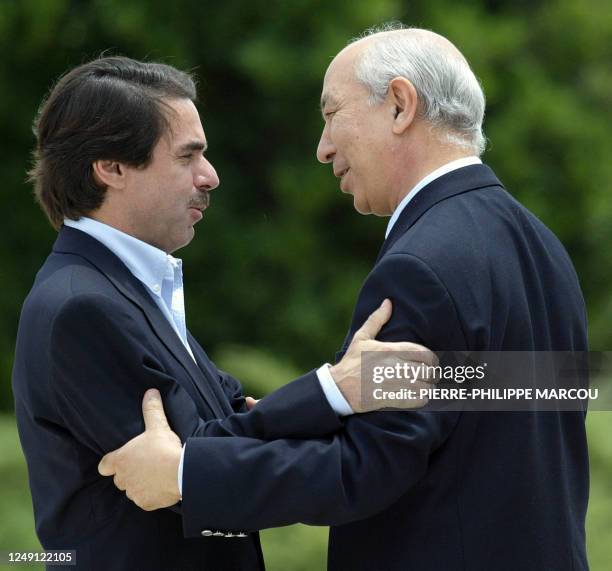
x=448, y=167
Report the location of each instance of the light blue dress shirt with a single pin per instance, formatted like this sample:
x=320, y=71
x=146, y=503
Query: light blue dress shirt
x=160, y=273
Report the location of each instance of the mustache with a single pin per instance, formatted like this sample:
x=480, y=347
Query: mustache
x=201, y=201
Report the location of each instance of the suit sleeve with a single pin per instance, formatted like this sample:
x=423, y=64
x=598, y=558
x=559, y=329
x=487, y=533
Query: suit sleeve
x=233, y=391
x=240, y=483
x=298, y=409
x=101, y=365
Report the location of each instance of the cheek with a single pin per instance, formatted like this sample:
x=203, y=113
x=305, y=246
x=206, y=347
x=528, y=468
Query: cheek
x=342, y=134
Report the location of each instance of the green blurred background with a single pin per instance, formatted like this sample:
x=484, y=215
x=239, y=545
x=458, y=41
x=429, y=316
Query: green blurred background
x=273, y=274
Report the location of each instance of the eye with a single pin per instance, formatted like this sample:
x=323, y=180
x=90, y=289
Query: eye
x=185, y=158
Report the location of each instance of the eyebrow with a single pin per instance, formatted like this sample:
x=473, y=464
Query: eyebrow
x=325, y=99
x=192, y=146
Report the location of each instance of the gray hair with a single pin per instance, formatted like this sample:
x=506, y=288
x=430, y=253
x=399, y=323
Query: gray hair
x=451, y=98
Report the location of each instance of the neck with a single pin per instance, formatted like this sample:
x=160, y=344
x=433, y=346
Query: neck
x=121, y=222
x=422, y=166
x=103, y=216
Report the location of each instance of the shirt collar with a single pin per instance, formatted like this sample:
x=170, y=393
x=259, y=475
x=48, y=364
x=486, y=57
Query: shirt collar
x=148, y=263
x=444, y=169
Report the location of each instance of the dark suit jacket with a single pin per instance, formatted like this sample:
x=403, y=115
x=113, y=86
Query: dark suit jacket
x=467, y=268
x=91, y=340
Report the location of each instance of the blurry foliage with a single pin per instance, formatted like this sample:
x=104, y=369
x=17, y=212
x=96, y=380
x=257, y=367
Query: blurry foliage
x=259, y=372
x=599, y=516
x=276, y=266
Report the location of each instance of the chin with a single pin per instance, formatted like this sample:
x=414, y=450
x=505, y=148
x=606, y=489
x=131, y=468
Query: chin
x=181, y=242
x=361, y=207
x=190, y=236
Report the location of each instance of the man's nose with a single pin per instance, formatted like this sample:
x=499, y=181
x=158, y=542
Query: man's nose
x=206, y=176
x=326, y=149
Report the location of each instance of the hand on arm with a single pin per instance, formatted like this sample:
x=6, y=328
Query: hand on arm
x=146, y=467
x=348, y=372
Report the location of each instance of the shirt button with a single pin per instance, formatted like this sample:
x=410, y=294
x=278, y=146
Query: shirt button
x=156, y=288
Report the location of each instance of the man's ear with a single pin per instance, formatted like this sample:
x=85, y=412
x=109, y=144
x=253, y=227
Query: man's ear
x=110, y=174
x=404, y=99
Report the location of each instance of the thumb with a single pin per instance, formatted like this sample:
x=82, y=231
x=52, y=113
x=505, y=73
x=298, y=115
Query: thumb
x=106, y=467
x=153, y=411
x=374, y=323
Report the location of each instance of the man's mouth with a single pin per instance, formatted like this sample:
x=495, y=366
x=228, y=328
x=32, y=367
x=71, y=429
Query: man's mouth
x=201, y=203
x=341, y=174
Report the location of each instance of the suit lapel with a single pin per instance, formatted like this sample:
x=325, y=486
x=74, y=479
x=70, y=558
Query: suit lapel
x=74, y=241
x=451, y=184
x=203, y=383
x=209, y=369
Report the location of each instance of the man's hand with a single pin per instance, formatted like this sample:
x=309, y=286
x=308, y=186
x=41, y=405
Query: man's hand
x=147, y=466
x=251, y=402
x=347, y=373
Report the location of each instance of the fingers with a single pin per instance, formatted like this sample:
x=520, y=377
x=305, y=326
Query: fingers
x=153, y=411
x=412, y=404
x=374, y=323
x=106, y=467
x=404, y=351
x=118, y=483
x=416, y=400
x=251, y=402
x=416, y=373
x=414, y=352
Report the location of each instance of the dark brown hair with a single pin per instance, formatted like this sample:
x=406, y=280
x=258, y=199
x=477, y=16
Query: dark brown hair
x=111, y=108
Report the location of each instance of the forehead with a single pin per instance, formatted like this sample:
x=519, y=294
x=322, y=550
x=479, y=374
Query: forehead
x=340, y=80
x=184, y=121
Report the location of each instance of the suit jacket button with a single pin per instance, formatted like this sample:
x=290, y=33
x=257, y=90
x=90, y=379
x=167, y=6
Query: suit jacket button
x=218, y=534
x=207, y=533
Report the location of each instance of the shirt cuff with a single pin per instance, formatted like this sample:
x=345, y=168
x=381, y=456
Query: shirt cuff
x=180, y=472
x=332, y=392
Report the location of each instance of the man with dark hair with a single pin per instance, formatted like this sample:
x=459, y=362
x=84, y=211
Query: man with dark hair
x=120, y=171
x=113, y=107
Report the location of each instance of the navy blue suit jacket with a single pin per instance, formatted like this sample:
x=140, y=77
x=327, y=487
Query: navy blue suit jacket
x=467, y=268
x=91, y=340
